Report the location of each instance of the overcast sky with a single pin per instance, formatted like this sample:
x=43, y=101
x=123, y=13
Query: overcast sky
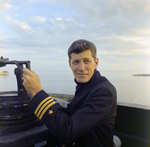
x=42, y=31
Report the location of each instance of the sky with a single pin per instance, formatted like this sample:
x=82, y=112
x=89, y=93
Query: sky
x=41, y=31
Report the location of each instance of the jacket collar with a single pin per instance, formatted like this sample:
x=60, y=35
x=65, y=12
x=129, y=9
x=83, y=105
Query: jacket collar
x=82, y=89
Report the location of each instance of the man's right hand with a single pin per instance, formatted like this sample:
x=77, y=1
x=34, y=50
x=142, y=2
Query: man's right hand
x=31, y=82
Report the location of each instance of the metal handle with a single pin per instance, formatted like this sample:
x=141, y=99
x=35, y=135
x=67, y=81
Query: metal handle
x=18, y=72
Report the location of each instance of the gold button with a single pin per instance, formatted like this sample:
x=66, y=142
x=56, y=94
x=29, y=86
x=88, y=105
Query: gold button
x=73, y=143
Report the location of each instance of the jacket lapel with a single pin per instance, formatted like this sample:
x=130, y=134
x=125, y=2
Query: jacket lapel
x=82, y=92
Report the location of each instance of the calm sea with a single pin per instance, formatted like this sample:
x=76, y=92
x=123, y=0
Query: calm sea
x=131, y=90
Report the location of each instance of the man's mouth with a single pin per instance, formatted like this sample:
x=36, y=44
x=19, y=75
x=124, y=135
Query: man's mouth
x=81, y=74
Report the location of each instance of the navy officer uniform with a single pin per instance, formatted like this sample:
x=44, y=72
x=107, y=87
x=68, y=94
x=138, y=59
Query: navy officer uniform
x=89, y=118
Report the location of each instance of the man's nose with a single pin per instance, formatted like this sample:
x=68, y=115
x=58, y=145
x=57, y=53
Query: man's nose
x=81, y=66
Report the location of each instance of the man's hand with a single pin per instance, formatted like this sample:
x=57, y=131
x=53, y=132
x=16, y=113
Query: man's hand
x=31, y=82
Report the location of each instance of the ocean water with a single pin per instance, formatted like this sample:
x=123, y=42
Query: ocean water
x=131, y=90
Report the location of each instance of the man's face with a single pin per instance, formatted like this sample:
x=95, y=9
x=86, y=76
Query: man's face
x=83, y=65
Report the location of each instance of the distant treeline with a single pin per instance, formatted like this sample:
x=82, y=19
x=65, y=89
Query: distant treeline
x=141, y=74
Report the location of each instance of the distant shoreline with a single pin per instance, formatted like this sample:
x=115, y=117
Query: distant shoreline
x=141, y=74
x=4, y=73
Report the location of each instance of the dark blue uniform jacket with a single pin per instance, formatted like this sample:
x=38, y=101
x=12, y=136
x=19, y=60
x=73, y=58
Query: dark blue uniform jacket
x=87, y=121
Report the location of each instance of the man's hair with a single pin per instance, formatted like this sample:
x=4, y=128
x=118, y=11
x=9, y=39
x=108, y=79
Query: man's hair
x=81, y=45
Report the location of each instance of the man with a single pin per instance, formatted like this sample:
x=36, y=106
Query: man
x=89, y=118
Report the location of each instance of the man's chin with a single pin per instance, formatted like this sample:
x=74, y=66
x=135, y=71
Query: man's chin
x=82, y=80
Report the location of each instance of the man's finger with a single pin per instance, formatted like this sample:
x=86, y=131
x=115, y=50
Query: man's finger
x=25, y=70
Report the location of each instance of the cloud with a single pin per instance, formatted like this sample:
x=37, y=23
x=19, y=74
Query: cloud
x=4, y=6
x=43, y=19
x=1, y=49
x=35, y=0
x=22, y=25
x=135, y=6
x=135, y=39
x=6, y=17
x=109, y=13
x=58, y=18
x=2, y=40
x=142, y=31
x=19, y=26
x=52, y=20
x=119, y=29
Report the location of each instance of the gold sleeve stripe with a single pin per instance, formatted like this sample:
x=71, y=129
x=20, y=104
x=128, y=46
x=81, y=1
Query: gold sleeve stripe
x=37, y=109
x=48, y=106
x=43, y=107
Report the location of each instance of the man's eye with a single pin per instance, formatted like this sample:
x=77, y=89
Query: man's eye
x=75, y=62
x=86, y=61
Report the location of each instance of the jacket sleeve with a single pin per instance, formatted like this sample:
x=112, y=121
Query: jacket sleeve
x=66, y=128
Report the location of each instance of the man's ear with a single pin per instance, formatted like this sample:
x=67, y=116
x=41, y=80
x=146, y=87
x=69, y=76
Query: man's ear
x=96, y=62
x=69, y=63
